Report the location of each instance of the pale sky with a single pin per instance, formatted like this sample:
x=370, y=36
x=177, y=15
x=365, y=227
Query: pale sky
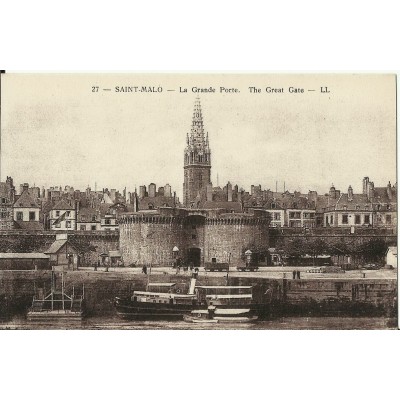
x=56, y=131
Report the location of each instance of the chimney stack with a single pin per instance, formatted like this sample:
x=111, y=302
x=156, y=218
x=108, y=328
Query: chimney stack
x=389, y=191
x=350, y=193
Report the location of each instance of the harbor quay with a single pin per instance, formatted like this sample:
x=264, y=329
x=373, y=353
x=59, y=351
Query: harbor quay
x=370, y=293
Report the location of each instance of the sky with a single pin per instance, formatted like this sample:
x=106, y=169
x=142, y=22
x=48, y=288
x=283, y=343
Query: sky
x=57, y=130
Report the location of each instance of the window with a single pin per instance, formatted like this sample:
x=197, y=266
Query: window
x=357, y=207
x=57, y=213
x=3, y=200
x=68, y=224
x=20, y=216
x=278, y=216
x=345, y=219
x=93, y=227
x=93, y=218
x=331, y=219
x=388, y=207
x=388, y=219
x=357, y=220
x=58, y=225
x=68, y=213
x=193, y=236
x=108, y=222
x=193, y=226
x=32, y=215
x=366, y=219
x=83, y=227
x=327, y=220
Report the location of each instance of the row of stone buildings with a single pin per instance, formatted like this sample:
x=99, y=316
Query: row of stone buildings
x=66, y=209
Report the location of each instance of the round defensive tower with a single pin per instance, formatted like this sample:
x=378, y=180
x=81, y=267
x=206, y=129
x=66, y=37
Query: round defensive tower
x=201, y=236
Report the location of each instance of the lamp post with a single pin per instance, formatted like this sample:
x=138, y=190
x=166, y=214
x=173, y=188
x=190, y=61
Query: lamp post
x=248, y=254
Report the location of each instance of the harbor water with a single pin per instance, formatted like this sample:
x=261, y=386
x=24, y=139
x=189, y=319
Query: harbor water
x=284, y=323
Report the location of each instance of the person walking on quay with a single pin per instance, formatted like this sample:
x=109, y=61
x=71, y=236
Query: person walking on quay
x=294, y=274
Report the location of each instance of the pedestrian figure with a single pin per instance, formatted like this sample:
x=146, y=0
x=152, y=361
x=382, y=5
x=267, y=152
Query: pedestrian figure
x=97, y=265
x=294, y=274
x=298, y=274
x=145, y=269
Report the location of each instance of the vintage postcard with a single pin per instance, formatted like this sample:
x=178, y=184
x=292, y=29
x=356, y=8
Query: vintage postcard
x=198, y=201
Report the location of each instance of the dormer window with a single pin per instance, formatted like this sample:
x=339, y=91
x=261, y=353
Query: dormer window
x=388, y=207
x=344, y=207
x=357, y=207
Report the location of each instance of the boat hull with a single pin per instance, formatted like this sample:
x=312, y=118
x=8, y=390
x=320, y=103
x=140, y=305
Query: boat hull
x=55, y=315
x=128, y=309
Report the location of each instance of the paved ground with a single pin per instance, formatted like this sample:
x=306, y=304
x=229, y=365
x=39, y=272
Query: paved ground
x=264, y=272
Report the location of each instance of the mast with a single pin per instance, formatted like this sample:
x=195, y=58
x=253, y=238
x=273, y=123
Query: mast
x=62, y=290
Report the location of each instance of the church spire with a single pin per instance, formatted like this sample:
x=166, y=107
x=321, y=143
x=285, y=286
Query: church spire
x=197, y=138
x=197, y=145
x=197, y=160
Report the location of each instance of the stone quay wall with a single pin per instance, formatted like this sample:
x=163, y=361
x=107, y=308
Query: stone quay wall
x=287, y=296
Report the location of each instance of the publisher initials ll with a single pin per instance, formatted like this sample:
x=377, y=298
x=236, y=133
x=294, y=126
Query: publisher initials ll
x=324, y=89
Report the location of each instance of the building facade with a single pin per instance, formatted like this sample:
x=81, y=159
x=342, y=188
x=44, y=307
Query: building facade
x=63, y=217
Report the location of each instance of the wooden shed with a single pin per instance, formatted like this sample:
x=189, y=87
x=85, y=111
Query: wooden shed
x=24, y=261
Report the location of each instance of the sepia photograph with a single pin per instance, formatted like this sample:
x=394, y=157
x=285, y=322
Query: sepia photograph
x=187, y=201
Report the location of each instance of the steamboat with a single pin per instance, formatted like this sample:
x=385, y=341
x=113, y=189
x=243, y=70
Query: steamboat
x=165, y=301
x=160, y=301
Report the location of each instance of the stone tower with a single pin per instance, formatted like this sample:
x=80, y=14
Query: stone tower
x=197, y=161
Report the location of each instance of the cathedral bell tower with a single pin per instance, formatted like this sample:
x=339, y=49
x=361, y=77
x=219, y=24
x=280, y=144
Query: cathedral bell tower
x=197, y=161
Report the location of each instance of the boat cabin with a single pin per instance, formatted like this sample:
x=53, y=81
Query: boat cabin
x=225, y=295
